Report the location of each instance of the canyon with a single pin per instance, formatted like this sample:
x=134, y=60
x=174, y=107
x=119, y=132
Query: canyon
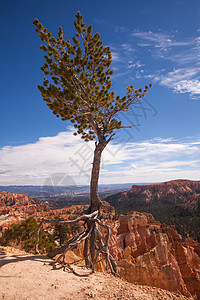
x=147, y=251
x=175, y=202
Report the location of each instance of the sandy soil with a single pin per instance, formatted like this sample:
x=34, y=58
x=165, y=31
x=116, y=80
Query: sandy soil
x=30, y=277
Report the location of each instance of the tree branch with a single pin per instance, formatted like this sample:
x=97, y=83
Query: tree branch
x=81, y=218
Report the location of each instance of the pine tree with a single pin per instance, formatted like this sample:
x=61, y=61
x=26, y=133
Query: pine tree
x=60, y=231
x=77, y=87
x=23, y=234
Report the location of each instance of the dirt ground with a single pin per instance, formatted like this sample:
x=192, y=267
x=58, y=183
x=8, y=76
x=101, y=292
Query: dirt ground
x=30, y=277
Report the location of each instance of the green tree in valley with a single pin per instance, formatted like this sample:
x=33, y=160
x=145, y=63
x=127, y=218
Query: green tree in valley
x=61, y=232
x=23, y=234
x=77, y=87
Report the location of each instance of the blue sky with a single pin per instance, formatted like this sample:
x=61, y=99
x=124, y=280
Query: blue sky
x=151, y=41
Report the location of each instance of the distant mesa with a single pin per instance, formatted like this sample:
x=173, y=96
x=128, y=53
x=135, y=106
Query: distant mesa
x=185, y=193
x=179, y=186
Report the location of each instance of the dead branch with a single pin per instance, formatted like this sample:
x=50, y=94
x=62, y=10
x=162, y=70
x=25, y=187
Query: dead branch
x=93, y=238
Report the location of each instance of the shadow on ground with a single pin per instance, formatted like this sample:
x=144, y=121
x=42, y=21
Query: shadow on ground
x=7, y=259
x=15, y=258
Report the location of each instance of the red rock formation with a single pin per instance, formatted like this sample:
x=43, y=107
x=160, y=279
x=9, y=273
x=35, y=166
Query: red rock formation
x=190, y=242
x=158, y=268
x=134, y=232
x=193, y=201
x=16, y=207
x=151, y=254
x=188, y=263
x=186, y=254
x=9, y=199
x=171, y=232
x=179, y=187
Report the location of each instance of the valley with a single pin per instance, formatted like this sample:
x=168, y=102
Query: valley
x=148, y=251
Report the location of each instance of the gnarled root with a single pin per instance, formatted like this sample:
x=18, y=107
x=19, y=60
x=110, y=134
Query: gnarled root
x=94, y=244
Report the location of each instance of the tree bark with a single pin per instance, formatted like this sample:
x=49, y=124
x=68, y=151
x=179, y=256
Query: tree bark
x=85, y=252
x=92, y=246
x=95, y=201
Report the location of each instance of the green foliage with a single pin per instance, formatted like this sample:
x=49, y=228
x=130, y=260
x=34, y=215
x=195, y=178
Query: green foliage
x=78, y=87
x=61, y=231
x=23, y=235
x=74, y=227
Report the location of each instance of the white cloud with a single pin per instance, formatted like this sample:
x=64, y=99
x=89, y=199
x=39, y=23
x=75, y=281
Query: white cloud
x=188, y=86
x=115, y=56
x=157, y=160
x=182, y=80
x=162, y=40
x=137, y=64
x=127, y=47
x=185, y=53
x=69, y=159
x=35, y=162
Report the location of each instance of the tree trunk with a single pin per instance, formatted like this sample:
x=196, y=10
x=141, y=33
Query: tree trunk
x=95, y=202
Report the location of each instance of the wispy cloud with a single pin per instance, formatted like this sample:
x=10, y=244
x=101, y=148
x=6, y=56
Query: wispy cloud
x=133, y=58
x=127, y=47
x=188, y=86
x=146, y=161
x=115, y=56
x=137, y=64
x=181, y=80
x=183, y=53
x=125, y=62
x=102, y=22
x=158, y=160
x=161, y=40
x=188, y=55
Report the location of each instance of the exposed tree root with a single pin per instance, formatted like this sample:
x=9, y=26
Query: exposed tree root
x=93, y=243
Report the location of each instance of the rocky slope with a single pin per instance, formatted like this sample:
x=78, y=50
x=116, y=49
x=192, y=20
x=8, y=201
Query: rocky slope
x=174, y=186
x=186, y=190
x=153, y=254
x=174, y=202
x=16, y=207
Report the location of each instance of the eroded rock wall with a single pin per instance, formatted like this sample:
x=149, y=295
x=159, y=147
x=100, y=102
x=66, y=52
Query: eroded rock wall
x=150, y=254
